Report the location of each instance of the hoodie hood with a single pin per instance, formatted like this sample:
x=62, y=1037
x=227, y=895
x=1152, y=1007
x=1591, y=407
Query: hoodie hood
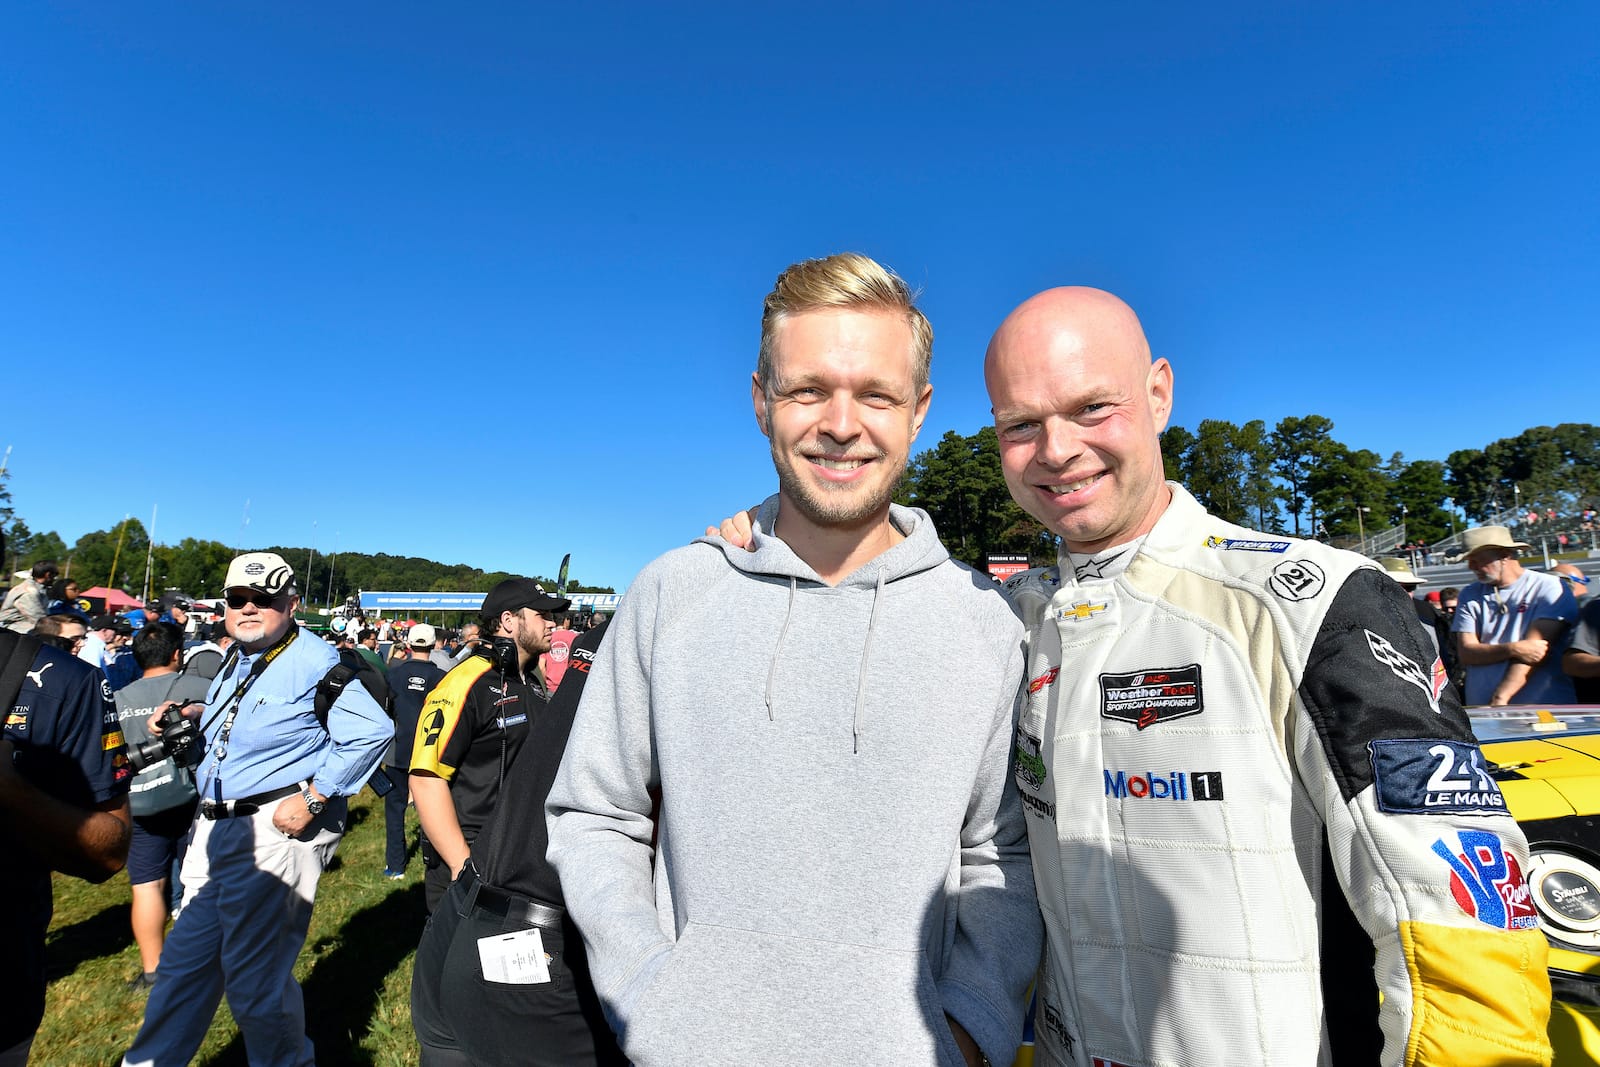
x=772, y=558
x=920, y=551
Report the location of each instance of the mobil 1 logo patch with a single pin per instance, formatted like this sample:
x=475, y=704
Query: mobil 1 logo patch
x=1428, y=777
x=1147, y=697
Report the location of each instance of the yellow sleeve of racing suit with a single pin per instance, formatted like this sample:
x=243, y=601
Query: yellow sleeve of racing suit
x=1429, y=859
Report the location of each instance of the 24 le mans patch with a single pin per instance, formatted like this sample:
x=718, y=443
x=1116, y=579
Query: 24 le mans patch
x=1433, y=776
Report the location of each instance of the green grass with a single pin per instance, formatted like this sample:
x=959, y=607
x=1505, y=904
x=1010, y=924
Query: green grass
x=355, y=967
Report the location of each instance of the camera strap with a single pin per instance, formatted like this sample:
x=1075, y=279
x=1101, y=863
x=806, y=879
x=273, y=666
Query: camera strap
x=16, y=656
x=234, y=701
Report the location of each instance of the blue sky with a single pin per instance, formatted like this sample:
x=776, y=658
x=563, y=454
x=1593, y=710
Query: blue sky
x=483, y=284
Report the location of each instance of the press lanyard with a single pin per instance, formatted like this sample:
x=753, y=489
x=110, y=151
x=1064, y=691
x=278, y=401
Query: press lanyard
x=220, y=749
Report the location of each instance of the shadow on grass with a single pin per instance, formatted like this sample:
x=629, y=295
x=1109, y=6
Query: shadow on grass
x=105, y=933
x=343, y=989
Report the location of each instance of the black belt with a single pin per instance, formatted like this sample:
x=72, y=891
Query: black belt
x=487, y=898
x=228, y=809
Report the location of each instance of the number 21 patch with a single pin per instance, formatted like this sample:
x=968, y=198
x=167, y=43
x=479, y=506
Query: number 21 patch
x=1427, y=777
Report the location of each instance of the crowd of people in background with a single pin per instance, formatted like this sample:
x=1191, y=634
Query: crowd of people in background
x=177, y=653
x=1515, y=635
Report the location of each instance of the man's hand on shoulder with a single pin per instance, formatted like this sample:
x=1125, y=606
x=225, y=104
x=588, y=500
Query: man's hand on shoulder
x=736, y=529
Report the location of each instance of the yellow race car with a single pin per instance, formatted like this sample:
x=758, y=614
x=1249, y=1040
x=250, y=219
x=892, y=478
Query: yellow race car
x=1547, y=761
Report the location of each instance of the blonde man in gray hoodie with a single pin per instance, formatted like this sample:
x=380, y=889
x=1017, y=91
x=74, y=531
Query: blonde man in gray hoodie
x=839, y=871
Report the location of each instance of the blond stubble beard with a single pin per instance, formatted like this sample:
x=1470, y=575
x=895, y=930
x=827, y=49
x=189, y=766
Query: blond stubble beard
x=832, y=506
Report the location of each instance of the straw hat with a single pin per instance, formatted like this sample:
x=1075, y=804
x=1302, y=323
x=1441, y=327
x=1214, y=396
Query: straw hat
x=1399, y=570
x=1486, y=537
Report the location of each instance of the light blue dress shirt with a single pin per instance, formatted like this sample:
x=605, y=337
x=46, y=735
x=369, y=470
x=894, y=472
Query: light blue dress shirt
x=276, y=740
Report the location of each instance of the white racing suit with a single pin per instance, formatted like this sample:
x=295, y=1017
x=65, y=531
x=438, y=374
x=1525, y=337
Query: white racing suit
x=1253, y=806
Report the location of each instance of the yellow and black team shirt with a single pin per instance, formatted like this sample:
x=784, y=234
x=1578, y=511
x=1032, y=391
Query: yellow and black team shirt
x=472, y=725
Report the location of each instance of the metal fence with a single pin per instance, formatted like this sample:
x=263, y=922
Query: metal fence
x=1385, y=542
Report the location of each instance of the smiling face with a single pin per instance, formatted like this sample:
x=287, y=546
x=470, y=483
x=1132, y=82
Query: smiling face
x=1078, y=408
x=842, y=412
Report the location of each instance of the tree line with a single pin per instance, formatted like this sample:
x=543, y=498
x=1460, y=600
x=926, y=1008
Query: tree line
x=116, y=557
x=1293, y=478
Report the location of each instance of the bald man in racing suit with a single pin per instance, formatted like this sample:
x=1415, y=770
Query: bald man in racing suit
x=1253, y=804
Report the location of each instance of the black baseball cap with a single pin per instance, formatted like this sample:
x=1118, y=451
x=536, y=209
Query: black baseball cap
x=516, y=593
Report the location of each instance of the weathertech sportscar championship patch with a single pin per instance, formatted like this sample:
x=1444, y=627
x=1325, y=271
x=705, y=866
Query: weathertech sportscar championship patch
x=1487, y=882
x=1426, y=777
x=1145, y=698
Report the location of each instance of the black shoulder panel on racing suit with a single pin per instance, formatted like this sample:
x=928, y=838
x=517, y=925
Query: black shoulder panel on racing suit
x=1371, y=676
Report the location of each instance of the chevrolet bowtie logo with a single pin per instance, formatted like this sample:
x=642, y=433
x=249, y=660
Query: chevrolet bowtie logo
x=1082, y=610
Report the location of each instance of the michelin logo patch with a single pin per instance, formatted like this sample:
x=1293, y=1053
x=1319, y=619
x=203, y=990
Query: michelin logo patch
x=1239, y=544
x=1145, y=698
x=1428, y=777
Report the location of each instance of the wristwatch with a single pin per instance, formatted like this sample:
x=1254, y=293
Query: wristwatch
x=313, y=805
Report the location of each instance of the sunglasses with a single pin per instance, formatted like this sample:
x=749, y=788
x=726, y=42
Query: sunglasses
x=260, y=600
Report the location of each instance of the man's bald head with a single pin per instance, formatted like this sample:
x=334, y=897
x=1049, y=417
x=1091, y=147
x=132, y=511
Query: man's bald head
x=1079, y=407
x=1073, y=314
x=1572, y=577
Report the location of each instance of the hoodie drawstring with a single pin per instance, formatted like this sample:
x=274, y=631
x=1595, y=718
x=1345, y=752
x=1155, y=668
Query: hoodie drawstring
x=866, y=654
x=866, y=651
x=772, y=671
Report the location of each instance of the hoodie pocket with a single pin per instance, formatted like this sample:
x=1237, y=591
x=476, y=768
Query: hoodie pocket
x=734, y=996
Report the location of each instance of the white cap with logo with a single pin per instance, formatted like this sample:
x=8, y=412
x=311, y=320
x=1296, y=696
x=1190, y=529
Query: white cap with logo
x=265, y=572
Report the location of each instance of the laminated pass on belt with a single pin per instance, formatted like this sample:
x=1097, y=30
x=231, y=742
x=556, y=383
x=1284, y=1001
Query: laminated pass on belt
x=516, y=958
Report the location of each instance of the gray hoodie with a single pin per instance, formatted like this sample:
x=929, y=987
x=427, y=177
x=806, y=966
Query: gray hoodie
x=842, y=858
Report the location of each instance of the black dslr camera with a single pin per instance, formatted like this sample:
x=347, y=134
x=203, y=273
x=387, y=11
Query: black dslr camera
x=177, y=741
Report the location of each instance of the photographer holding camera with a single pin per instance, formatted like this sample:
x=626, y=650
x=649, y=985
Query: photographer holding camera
x=272, y=779
x=162, y=797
